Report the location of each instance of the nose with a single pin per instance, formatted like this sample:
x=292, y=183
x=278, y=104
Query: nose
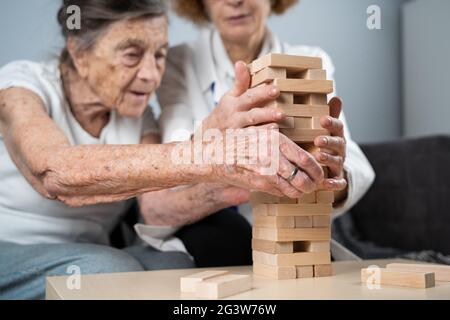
x=148, y=71
x=235, y=3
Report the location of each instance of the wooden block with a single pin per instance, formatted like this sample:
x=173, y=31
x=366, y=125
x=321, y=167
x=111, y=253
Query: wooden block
x=290, y=62
x=302, y=86
x=303, y=135
x=274, y=221
x=392, y=277
x=260, y=210
x=315, y=99
x=304, y=272
x=303, y=221
x=297, y=234
x=301, y=209
x=272, y=246
x=307, y=198
x=286, y=200
x=442, y=272
x=292, y=259
x=316, y=123
x=321, y=221
x=301, y=110
x=267, y=75
x=223, y=286
x=303, y=123
x=287, y=123
x=260, y=197
x=325, y=196
x=323, y=270
x=312, y=246
x=285, y=98
x=274, y=272
x=187, y=284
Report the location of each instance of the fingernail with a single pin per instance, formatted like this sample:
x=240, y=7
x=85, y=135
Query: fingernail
x=273, y=91
x=323, y=157
x=324, y=141
x=279, y=115
x=329, y=121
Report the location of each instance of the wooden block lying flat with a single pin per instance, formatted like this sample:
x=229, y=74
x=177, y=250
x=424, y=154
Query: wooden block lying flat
x=323, y=270
x=187, y=284
x=314, y=74
x=286, y=200
x=260, y=197
x=223, y=286
x=442, y=272
x=297, y=234
x=315, y=99
x=325, y=196
x=321, y=221
x=304, y=272
x=272, y=246
x=302, y=221
x=301, y=110
x=302, y=86
x=390, y=277
x=267, y=75
x=290, y=62
x=307, y=198
x=292, y=259
x=303, y=135
x=274, y=221
x=285, y=98
x=312, y=246
x=275, y=272
x=300, y=209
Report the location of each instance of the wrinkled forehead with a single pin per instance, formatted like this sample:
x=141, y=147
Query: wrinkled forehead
x=146, y=32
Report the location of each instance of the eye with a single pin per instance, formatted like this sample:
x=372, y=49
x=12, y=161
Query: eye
x=132, y=57
x=161, y=55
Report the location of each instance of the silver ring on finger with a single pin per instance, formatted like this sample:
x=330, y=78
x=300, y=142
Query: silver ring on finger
x=293, y=175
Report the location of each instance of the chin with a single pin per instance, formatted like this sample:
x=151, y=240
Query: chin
x=132, y=111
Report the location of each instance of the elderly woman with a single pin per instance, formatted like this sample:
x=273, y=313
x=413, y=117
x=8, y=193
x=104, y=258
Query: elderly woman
x=200, y=73
x=77, y=141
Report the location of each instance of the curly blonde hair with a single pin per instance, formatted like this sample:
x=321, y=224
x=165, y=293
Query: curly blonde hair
x=194, y=10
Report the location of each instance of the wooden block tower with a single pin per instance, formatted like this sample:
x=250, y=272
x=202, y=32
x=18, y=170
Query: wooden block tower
x=291, y=237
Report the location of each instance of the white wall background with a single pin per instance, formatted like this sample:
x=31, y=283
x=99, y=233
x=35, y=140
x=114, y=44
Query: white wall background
x=368, y=62
x=426, y=61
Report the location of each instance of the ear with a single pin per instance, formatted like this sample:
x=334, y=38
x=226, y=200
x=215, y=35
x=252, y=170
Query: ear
x=79, y=58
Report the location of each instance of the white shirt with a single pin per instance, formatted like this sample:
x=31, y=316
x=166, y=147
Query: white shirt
x=26, y=217
x=198, y=74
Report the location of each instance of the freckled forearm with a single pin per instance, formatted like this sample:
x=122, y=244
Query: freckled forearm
x=115, y=171
x=180, y=206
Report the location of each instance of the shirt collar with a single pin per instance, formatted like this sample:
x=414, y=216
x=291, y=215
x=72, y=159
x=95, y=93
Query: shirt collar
x=212, y=58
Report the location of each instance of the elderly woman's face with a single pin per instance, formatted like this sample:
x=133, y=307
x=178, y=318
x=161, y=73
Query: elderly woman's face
x=238, y=20
x=126, y=65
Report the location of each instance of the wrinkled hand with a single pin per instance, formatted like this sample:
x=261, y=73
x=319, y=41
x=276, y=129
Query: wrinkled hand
x=332, y=148
x=242, y=107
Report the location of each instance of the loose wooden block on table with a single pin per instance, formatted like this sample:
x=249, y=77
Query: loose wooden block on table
x=293, y=210
x=275, y=272
x=442, y=272
x=392, y=277
x=187, y=284
x=297, y=234
x=323, y=270
x=223, y=286
x=290, y=62
x=292, y=259
x=272, y=246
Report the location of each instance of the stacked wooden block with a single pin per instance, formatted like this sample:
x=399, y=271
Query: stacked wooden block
x=291, y=237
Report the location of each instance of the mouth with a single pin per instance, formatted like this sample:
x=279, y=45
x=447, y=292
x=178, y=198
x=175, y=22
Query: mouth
x=239, y=18
x=140, y=95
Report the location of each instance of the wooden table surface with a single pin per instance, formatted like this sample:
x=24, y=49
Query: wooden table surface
x=162, y=285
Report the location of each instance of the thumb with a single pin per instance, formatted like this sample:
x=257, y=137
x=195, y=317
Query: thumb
x=242, y=82
x=335, y=107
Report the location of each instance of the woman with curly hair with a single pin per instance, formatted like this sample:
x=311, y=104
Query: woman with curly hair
x=198, y=75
